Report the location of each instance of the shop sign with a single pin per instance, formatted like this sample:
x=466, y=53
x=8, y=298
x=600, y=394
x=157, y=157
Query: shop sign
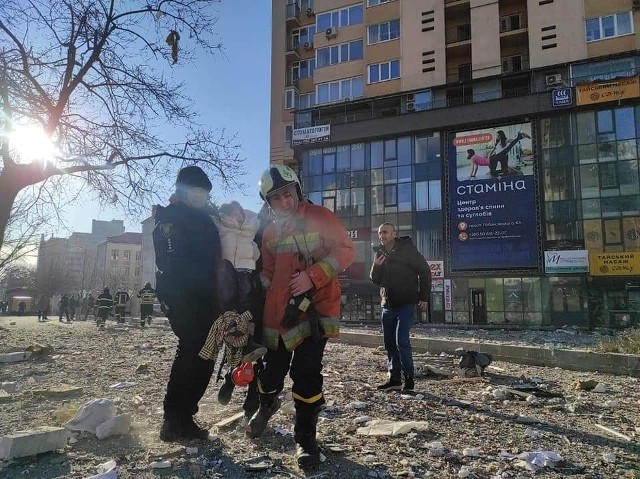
x=492, y=199
x=570, y=261
x=602, y=92
x=614, y=264
x=311, y=134
x=562, y=97
x=448, y=295
x=437, y=285
x=437, y=269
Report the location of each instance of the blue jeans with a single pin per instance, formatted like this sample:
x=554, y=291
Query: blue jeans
x=396, y=324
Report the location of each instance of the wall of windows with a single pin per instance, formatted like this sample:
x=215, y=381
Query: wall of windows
x=339, y=90
x=384, y=71
x=339, y=18
x=383, y=32
x=610, y=26
x=344, y=52
x=591, y=179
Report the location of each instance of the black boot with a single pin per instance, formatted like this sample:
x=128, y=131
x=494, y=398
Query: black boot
x=307, y=451
x=269, y=405
x=393, y=384
x=176, y=429
x=224, y=394
x=409, y=383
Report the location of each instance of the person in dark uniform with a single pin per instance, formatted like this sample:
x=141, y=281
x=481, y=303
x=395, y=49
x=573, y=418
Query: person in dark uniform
x=121, y=297
x=188, y=256
x=147, y=296
x=105, y=302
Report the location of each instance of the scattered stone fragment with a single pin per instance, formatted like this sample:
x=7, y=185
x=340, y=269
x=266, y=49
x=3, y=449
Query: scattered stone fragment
x=160, y=465
x=15, y=357
x=32, y=442
x=587, y=385
x=142, y=368
x=91, y=415
x=6, y=397
x=115, y=426
x=59, y=392
x=383, y=427
x=8, y=386
x=600, y=388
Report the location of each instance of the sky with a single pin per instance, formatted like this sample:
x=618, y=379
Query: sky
x=231, y=91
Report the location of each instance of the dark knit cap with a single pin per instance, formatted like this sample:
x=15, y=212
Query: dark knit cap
x=194, y=176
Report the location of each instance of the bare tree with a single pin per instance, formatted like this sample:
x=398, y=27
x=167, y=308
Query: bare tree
x=92, y=74
x=52, y=277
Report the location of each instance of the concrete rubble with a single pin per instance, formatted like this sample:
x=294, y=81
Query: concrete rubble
x=513, y=422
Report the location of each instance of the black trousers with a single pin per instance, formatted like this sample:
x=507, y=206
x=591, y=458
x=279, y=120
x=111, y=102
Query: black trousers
x=146, y=310
x=304, y=365
x=190, y=375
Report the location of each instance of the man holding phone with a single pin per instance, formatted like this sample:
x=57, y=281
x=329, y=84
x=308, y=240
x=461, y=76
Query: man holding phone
x=404, y=278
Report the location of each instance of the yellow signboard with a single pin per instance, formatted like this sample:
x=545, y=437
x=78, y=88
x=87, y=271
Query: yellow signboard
x=614, y=264
x=608, y=91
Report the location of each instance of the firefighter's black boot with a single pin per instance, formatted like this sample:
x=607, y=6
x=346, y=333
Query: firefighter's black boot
x=393, y=384
x=307, y=451
x=226, y=390
x=269, y=405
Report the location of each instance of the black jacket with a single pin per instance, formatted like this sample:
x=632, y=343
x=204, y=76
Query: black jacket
x=404, y=277
x=188, y=255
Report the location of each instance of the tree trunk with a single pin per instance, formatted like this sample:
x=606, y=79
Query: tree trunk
x=8, y=193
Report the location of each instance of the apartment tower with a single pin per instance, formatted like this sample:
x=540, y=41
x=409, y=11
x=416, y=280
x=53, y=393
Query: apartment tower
x=501, y=135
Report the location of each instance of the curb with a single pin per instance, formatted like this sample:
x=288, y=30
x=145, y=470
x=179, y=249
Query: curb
x=610, y=363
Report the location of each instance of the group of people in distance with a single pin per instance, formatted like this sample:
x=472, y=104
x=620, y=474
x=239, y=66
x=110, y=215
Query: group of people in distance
x=264, y=286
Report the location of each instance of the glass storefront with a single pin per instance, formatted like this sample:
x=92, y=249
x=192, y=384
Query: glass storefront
x=590, y=185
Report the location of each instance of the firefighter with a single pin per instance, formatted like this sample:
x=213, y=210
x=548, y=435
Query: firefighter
x=105, y=302
x=121, y=297
x=188, y=255
x=303, y=251
x=147, y=296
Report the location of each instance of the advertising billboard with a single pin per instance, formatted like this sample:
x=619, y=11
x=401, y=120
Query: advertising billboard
x=492, y=207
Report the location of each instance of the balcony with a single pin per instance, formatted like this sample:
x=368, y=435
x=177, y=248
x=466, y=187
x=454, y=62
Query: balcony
x=292, y=15
x=457, y=36
x=292, y=81
x=293, y=51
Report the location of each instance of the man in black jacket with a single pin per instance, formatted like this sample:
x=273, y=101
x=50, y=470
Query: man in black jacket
x=404, y=278
x=188, y=255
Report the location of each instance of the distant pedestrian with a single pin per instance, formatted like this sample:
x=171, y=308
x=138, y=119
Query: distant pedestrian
x=105, y=302
x=91, y=305
x=22, y=307
x=43, y=308
x=120, y=299
x=64, y=308
x=73, y=304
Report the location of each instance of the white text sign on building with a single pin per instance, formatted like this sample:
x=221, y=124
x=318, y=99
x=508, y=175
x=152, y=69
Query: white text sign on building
x=570, y=261
x=312, y=134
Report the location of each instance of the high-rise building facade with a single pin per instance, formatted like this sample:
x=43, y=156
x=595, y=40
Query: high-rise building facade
x=502, y=135
x=119, y=263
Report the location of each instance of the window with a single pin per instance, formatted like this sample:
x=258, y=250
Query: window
x=114, y=254
x=512, y=64
x=137, y=271
x=339, y=18
x=339, y=90
x=384, y=71
x=126, y=255
x=303, y=35
x=289, y=99
x=383, y=32
x=305, y=100
x=342, y=53
x=428, y=195
x=302, y=69
x=373, y=3
x=610, y=26
x=127, y=271
x=138, y=255
x=510, y=22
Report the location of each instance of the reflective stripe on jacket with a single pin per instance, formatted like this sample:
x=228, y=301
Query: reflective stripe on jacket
x=314, y=240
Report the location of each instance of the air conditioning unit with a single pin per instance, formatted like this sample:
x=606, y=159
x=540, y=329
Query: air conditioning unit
x=553, y=80
x=310, y=12
x=308, y=45
x=331, y=32
x=411, y=105
x=410, y=97
x=636, y=4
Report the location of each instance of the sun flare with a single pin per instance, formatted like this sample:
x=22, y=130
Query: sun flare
x=30, y=143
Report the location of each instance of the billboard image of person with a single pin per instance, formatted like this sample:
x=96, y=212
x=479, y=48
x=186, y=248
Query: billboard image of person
x=497, y=152
x=492, y=217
